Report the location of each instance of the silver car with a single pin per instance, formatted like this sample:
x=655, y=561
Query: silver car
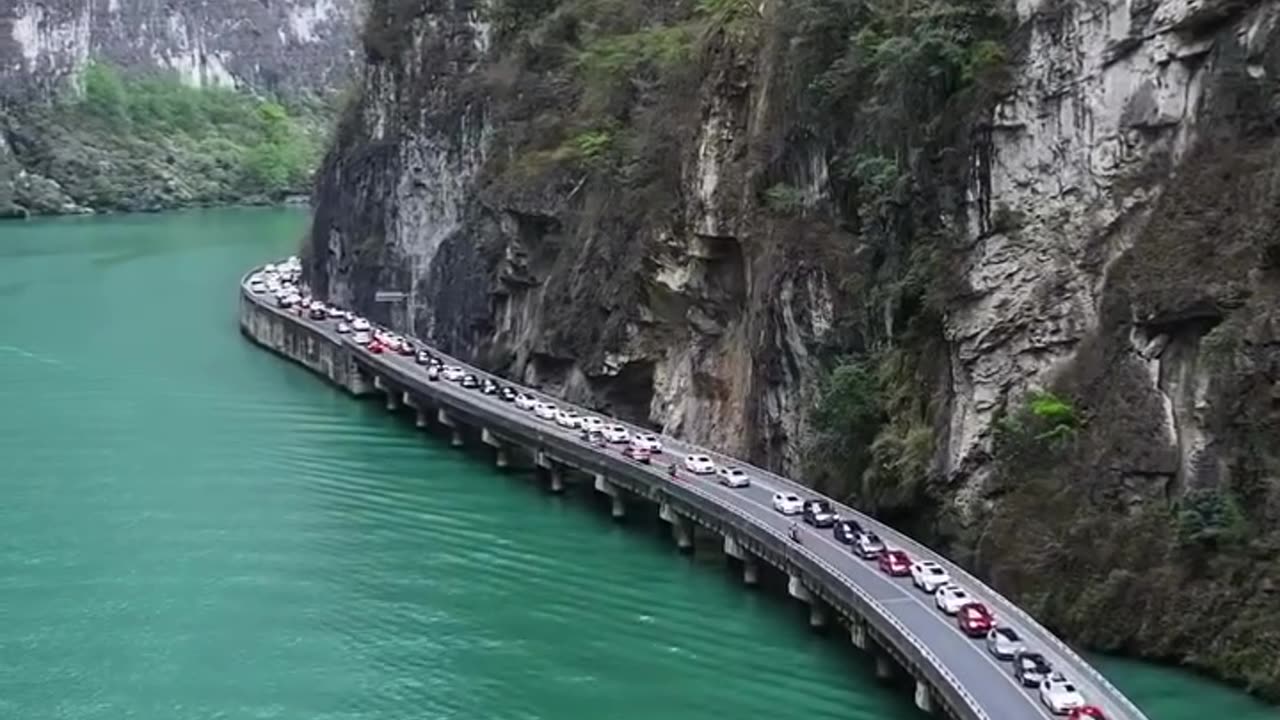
x=1004, y=643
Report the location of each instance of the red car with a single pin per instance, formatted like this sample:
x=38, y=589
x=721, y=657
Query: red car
x=376, y=347
x=895, y=562
x=1088, y=712
x=639, y=454
x=975, y=620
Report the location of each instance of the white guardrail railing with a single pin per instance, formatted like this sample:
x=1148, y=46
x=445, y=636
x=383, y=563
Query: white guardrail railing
x=974, y=585
x=891, y=536
x=908, y=644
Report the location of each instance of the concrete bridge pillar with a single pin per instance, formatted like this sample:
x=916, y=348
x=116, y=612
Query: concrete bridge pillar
x=393, y=400
x=421, y=420
x=817, y=614
x=408, y=400
x=680, y=528
x=617, y=507
x=379, y=383
x=733, y=549
x=797, y=590
x=750, y=567
x=858, y=634
x=555, y=470
x=884, y=667
x=924, y=697
x=455, y=434
x=501, y=457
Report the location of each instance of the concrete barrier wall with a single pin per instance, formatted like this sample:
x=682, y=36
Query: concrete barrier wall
x=282, y=333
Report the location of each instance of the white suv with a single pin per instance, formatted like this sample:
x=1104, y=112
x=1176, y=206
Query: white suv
x=787, y=503
x=951, y=597
x=928, y=575
x=699, y=464
x=648, y=442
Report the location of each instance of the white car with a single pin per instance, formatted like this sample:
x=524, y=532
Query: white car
x=928, y=575
x=787, y=503
x=616, y=434
x=343, y=328
x=592, y=424
x=525, y=402
x=1060, y=695
x=648, y=442
x=951, y=597
x=545, y=410
x=362, y=337
x=569, y=419
x=453, y=373
x=1004, y=643
x=333, y=312
x=699, y=464
x=360, y=324
x=733, y=477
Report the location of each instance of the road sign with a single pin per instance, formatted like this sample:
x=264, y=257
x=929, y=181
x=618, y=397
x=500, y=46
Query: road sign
x=389, y=296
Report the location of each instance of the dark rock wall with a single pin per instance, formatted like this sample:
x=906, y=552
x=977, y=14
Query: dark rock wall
x=1115, y=215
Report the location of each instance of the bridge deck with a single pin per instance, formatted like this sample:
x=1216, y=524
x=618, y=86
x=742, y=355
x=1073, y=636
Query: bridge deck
x=983, y=686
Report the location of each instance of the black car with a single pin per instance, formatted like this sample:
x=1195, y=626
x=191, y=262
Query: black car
x=1030, y=668
x=317, y=313
x=470, y=382
x=489, y=388
x=506, y=394
x=423, y=357
x=845, y=531
x=818, y=513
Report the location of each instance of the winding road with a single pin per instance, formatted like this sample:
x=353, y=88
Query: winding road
x=986, y=682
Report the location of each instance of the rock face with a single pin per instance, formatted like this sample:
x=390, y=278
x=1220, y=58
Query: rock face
x=56, y=162
x=282, y=47
x=1114, y=216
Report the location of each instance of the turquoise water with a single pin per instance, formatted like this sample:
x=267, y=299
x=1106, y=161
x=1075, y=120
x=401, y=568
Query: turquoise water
x=197, y=529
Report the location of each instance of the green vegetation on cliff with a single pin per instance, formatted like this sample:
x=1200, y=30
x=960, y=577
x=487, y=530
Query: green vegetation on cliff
x=147, y=142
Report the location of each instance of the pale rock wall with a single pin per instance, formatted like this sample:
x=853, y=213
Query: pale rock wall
x=1108, y=91
x=288, y=47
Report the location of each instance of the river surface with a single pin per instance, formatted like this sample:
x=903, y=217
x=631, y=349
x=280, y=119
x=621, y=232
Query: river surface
x=195, y=529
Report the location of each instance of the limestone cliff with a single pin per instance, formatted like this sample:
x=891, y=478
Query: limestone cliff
x=59, y=154
x=1038, y=244
x=285, y=47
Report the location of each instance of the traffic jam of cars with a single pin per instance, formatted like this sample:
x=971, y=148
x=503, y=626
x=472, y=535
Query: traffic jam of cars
x=1029, y=668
